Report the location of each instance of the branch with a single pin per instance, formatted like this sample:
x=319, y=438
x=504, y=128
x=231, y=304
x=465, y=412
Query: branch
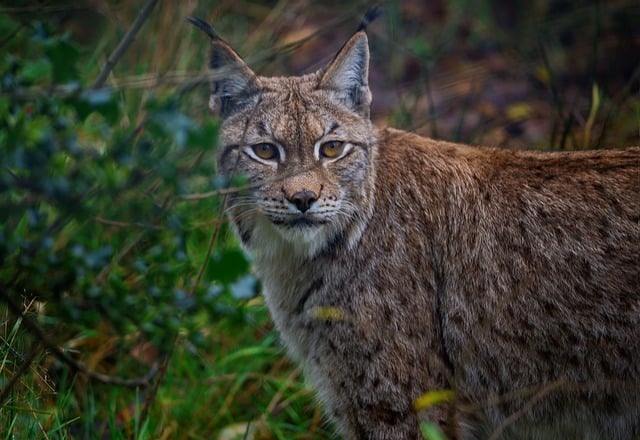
x=545, y=391
x=126, y=41
x=162, y=371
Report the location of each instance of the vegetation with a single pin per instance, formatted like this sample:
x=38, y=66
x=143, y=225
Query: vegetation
x=127, y=309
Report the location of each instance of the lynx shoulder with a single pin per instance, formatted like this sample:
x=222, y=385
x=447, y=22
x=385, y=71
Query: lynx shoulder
x=394, y=265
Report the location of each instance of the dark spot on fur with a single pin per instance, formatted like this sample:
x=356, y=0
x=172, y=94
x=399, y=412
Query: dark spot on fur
x=245, y=236
x=617, y=208
x=542, y=213
x=600, y=189
x=587, y=272
x=545, y=356
x=332, y=346
x=313, y=287
x=605, y=366
x=333, y=247
x=381, y=412
x=225, y=152
x=575, y=362
x=623, y=353
x=549, y=308
x=524, y=229
x=457, y=320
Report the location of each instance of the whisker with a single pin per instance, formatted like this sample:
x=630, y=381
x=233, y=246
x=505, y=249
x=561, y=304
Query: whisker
x=246, y=214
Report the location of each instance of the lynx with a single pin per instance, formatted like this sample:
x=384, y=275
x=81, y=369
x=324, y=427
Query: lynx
x=395, y=266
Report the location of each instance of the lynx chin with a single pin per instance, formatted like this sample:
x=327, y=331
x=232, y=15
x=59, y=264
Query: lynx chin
x=396, y=265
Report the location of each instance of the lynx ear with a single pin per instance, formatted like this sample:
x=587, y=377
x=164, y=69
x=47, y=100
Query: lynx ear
x=233, y=84
x=347, y=75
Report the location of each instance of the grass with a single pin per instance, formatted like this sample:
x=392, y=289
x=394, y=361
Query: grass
x=241, y=381
x=479, y=78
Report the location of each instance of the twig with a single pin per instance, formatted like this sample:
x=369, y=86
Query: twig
x=121, y=224
x=212, y=242
x=126, y=41
x=12, y=34
x=104, y=272
x=77, y=366
x=522, y=411
x=162, y=371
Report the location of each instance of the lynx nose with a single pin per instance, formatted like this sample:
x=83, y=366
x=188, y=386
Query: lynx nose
x=303, y=199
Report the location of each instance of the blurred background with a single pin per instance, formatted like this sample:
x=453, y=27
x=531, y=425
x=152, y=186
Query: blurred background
x=127, y=309
x=504, y=73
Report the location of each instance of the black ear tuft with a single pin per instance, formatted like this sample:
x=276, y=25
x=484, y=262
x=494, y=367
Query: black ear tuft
x=204, y=27
x=233, y=84
x=370, y=16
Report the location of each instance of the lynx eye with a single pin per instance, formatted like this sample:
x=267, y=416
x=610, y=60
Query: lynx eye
x=265, y=151
x=331, y=149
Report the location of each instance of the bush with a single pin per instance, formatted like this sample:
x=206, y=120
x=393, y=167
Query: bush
x=101, y=237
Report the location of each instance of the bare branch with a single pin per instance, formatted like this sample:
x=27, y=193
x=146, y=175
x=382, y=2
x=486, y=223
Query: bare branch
x=545, y=391
x=126, y=41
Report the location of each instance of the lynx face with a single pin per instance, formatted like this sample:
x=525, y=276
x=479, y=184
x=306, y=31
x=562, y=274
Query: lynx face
x=308, y=164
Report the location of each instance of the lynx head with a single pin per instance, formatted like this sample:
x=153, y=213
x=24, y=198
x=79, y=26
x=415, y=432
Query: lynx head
x=304, y=144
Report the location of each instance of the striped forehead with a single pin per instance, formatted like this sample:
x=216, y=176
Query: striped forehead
x=290, y=119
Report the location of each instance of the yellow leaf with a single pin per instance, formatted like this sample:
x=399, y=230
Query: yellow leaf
x=433, y=398
x=329, y=313
x=543, y=75
x=520, y=110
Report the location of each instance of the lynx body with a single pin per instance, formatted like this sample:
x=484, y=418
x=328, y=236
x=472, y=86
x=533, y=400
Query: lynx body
x=394, y=265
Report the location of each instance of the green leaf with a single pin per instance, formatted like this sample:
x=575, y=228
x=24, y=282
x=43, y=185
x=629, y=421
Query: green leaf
x=431, y=432
x=39, y=70
x=102, y=101
x=174, y=124
x=227, y=266
x=63, y=56
x=205, y=136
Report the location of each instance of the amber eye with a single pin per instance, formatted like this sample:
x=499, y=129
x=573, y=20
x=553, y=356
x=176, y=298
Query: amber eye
x=331, y=149
x=265, y=151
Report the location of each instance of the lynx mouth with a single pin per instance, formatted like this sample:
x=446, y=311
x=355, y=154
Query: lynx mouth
x=300, y=223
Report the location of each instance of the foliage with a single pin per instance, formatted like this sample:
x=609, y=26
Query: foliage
x=93, y=212
x=96, y=238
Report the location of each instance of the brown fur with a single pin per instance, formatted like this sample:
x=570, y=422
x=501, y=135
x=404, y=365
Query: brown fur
x=418, y=265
